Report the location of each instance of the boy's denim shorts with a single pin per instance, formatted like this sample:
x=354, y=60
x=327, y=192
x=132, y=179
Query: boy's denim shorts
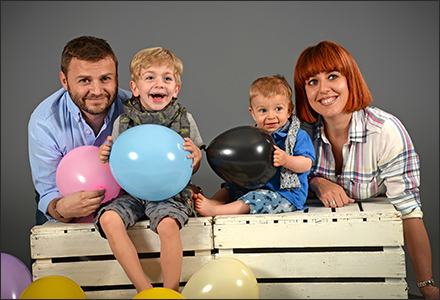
x=261, y=201
x=131, y=210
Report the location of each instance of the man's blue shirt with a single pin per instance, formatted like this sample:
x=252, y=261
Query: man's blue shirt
x=55, y=127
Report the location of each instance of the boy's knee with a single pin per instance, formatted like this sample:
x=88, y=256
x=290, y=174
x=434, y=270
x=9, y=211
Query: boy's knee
x=168, y=226
x=109, y=218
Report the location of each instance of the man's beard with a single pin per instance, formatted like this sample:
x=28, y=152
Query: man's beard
x=93, y=109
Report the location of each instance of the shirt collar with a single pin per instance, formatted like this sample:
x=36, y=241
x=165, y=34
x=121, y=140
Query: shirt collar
x=73, y=108
x=282, y=131
x=358, y=127
x=357, y=131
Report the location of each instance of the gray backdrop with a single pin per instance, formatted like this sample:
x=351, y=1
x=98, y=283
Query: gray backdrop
x=224, y=46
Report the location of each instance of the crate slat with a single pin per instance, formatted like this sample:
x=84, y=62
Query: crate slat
x=317, y=290
x=314, y=233
x=344, y=290
x=324, y=264
x=109, y=272
x=52, y=240
x=115, y=294
x=111, y=294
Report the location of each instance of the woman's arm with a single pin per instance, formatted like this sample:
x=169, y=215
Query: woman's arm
x=419, y=250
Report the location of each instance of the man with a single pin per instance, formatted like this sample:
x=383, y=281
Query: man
x=81, y=113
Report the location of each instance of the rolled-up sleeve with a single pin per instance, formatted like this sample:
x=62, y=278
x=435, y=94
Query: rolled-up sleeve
x=400, y=169
x=44, y=157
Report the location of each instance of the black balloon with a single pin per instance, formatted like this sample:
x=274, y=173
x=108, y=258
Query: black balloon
x=243, y=156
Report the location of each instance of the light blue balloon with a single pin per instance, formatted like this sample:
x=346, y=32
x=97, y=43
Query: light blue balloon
x=148, y=161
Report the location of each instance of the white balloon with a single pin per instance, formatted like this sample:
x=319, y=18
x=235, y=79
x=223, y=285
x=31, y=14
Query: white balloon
x=222, y=278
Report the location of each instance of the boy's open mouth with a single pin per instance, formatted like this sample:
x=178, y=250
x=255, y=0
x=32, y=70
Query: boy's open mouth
x=157, y=97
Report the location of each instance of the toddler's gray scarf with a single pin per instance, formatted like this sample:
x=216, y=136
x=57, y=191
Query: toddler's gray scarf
x=173, y=116
x=289, y=179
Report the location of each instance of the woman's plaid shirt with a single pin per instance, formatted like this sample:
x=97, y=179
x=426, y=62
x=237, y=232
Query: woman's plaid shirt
x=379, y=159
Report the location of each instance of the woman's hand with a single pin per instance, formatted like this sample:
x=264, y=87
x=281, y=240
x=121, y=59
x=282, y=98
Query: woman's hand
x=330, y=194
x=104, y=150
x=430, y=292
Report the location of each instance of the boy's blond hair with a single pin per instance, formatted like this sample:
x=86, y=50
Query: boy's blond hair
x=155, y=56
x=270, y=86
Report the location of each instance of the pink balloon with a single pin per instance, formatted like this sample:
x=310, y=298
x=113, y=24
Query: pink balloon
x=81, y=169
x=89, y=219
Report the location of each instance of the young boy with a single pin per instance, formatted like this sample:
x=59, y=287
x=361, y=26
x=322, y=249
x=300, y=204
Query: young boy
x=156, y=81
x=271, y=107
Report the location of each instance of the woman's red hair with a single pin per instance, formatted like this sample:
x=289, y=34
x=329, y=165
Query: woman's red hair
x=328, y=56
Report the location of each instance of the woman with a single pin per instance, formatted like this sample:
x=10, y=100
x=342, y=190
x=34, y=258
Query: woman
x=361, y=151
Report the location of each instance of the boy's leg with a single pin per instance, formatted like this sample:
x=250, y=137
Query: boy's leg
x=171, y=252
x=204, y=206
x=209, y=209
x=221, y=196
x=123, y=249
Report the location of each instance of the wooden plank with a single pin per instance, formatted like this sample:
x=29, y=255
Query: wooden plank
x=66, y=240
x=59, y=226
x=301, y=218
x=311, y=234
x=337, y=290
x=318, y=214
x=301, y=290
x=60, y=242
x=115, y=294
x=111, y=294
x=324, y=264
x=109, y=272
x=351, y=208
x=318, y=209
x=379, y=205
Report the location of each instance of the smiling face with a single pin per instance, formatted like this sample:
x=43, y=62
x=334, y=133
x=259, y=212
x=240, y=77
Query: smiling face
x=155, y=86
x=327, y=93
x=270, y=113
x=91, y=85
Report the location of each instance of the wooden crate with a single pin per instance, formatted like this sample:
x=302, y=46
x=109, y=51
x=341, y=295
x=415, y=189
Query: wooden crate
x=78, y=252
x=349, y=252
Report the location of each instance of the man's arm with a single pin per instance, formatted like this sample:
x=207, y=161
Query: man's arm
x=44, y=158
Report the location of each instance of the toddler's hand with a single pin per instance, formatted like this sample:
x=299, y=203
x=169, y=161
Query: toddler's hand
x=196, y=153
x=104, y=150
x=279, y=157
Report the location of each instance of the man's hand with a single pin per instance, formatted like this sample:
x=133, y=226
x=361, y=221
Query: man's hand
x=78, y=204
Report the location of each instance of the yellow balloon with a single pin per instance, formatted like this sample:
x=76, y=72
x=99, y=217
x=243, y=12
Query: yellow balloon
x=53, y=287
x=158, y=293
x=222, y=278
